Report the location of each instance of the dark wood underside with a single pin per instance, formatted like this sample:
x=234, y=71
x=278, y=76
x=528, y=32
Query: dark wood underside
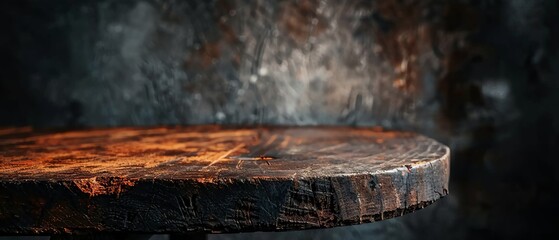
x=213, y=179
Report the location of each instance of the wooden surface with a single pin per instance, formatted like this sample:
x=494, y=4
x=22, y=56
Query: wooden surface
x=213, y=179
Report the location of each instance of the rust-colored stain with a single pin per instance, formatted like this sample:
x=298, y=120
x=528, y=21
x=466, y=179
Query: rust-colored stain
x=301, y=20
x=406, y=35
x=407, y=29
x=212, y=49
x=208, y=53
x=99, y=160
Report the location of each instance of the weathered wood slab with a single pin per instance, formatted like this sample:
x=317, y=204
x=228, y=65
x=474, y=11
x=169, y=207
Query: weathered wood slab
x=213, y=179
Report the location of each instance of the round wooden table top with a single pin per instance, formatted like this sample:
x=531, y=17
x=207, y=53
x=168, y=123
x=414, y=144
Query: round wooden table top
x=212, y=178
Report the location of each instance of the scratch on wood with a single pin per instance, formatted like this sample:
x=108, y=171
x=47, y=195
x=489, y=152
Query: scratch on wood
x=224, y=156
x=103, y=186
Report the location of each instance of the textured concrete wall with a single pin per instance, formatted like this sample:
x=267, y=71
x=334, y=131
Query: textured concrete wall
x=237, y=62
x=481, y=76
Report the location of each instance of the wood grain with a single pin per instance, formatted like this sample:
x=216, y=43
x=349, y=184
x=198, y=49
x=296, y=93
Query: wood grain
x=212, y=178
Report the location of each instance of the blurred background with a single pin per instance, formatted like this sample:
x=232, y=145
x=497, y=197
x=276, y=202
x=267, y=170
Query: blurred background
x=481, y=76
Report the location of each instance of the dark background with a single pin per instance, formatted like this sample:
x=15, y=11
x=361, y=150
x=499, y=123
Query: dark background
x=481, y=76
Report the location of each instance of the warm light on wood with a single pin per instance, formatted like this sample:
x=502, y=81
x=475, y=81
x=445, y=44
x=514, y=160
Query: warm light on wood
x=212, y=178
